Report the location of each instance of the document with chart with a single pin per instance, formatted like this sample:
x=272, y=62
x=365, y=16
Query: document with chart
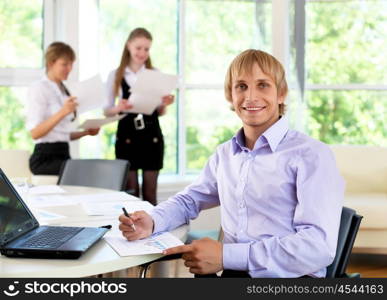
x=151, y=245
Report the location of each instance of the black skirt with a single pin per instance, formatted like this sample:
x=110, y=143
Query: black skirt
x=47, y=158
x=144, y=148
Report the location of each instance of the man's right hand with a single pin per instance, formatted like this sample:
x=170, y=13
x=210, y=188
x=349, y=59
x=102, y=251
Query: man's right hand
x=70, y=105
x=143, y=223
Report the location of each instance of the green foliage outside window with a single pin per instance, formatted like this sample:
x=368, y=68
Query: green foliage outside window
x=346, y=44
x=13, y=134
x=21, y=38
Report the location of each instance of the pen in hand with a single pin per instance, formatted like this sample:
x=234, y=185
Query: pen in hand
x=127, y=215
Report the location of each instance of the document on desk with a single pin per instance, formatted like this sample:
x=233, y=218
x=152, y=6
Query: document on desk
x=97, y=123
x=149, y=88
x=107, y=208
x=46, y=217
x=50, y=200
x=151, y=245
x=104, y=197
x=46, y=189
x=90, y=93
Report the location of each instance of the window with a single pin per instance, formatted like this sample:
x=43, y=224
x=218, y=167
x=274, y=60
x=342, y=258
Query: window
x=346, y=78
x=21, y=48
x=13, y=132
x=21, y=37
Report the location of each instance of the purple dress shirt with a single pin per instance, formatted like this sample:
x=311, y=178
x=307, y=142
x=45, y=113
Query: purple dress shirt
x=280, y=203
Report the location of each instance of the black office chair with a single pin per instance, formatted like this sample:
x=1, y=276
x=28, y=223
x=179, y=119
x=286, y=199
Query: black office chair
x=102, y=173
x=349, y=226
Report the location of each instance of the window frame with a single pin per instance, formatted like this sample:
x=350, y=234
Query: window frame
x=25, y=76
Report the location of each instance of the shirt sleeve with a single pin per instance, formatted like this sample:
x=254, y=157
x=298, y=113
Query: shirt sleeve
x=186, y=205
x=110, y=97
x=312, y=246
x=37, y=104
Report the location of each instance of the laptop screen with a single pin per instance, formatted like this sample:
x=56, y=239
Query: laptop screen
x=15, y=218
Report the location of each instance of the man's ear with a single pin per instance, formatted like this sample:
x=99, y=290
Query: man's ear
x=281, y=99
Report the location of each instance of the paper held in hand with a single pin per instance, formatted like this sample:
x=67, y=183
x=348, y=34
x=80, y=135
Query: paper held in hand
x=90, y=93
x=153, y=244
x=149, y=88
x=97, y=123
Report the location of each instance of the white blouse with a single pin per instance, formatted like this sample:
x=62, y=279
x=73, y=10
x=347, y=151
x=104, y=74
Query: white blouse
x=44, y=100
x=130, y=78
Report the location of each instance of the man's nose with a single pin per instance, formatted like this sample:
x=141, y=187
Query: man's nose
x=252, y=94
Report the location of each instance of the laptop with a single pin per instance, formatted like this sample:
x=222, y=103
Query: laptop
x=22, y=236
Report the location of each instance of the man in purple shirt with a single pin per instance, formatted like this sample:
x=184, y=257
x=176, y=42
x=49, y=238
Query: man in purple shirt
x=279, y=191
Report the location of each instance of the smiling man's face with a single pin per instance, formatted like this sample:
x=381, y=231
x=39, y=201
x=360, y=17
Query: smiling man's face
x=255, y=99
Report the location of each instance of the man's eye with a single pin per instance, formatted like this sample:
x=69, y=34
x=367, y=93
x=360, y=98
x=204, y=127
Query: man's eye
x=263, y=85
x=241, y=86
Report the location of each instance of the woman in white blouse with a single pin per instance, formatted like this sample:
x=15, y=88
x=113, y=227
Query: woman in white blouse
x=51, y=111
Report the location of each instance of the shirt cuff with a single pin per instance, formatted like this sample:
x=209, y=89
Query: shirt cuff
x=158, y=221
x=235, y=257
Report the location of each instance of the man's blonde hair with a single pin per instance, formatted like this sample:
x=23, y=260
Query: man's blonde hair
x=269, y=65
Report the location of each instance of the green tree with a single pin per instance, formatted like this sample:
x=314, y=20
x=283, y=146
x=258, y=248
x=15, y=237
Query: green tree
x=346, y=44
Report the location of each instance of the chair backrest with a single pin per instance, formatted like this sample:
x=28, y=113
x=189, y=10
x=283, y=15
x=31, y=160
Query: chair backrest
x=349, y=225
x=109, y=174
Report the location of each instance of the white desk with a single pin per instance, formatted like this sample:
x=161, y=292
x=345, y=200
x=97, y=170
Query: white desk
x=99, y=259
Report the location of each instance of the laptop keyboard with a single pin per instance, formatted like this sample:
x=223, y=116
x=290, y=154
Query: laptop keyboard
x=52, y=237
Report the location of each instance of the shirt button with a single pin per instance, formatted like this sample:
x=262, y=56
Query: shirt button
x=127, y=141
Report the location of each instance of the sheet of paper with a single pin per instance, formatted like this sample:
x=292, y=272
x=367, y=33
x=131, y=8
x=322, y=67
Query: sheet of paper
x=114, y=208
x=148, y=90
x=46, y=216
x=104, y=197
x=90, y=93
x=38, y=201
x=97, y=123
x=50, y=200
x=151, y=245
x=46, y=189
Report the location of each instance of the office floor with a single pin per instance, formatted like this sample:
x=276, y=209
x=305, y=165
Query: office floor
x=368, y=265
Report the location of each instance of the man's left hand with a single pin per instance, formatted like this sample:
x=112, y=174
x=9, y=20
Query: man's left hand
x=204, y=256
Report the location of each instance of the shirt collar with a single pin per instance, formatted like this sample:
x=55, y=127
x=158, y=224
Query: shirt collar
x=273, y=135
x=54, y=86
x=129, y=71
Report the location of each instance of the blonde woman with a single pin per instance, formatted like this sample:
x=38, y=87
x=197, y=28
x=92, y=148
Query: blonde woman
x=139, y=138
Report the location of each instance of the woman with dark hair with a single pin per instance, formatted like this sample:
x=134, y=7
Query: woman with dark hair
x=139, y=138
x=50, y=112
